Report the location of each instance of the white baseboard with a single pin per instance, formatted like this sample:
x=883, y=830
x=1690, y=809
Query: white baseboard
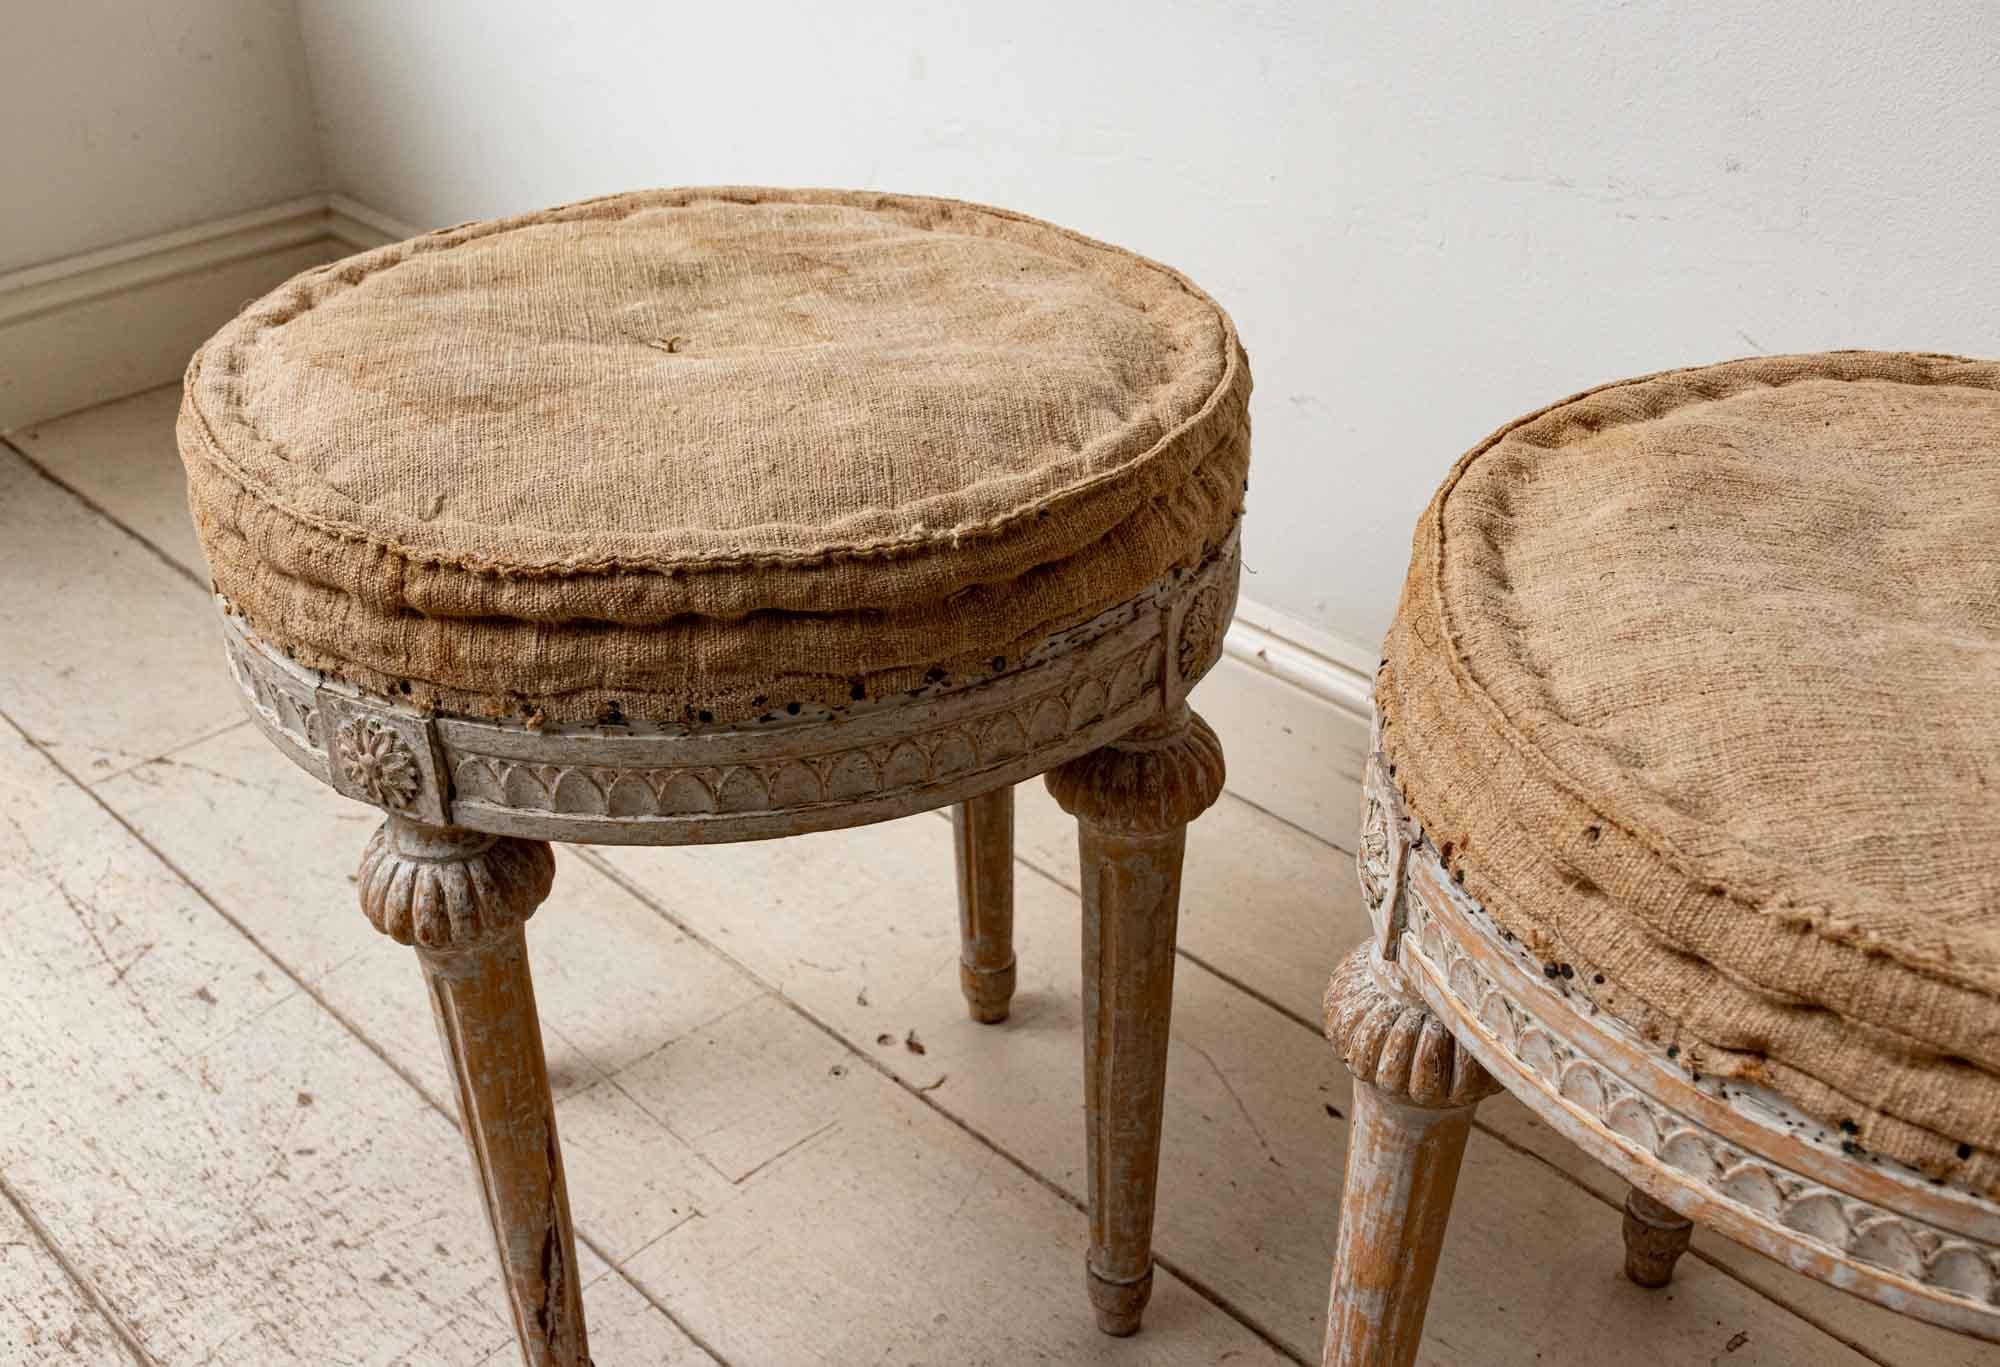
x=1293, y=707
x=356, y=225
x=1292, y=703
x=103, y=324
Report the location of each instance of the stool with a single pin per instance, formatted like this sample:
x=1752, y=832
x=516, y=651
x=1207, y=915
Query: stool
x=715, y=515
x=1679, y=826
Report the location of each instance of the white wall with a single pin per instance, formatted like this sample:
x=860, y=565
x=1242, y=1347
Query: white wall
x=1425, y=219
x=119, y=120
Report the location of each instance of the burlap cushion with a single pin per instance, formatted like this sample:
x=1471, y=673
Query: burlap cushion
x=1695, y=682
x=692, y=454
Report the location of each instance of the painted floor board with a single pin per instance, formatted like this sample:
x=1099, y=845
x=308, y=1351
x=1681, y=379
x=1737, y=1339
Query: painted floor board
x=896, y=1238
x=98, y=634
x=183, y=1119
x=121, y=456
x=858, y=927
x=44, y=1315
x=186, y=1119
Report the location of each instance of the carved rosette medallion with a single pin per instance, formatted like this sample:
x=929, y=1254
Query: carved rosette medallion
x=1201, y=631
x=378, y=762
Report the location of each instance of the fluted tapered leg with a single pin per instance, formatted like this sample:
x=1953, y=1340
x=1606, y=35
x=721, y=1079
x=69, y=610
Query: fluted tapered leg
x=1414, y=1094
x=462, y=899
x=1132, y=800
x=983, y=840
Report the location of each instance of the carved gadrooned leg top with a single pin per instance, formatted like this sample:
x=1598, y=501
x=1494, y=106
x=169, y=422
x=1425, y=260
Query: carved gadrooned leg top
x=1152, y=781
x=448, y=889
x=1393, y=1042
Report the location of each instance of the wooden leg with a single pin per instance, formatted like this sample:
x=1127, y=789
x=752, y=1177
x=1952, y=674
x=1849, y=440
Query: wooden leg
x=1414, y=1095
x=983, y=839
x=1402, y=1170
x=1132, y=800
x=1655, y=1237
x=462, y=899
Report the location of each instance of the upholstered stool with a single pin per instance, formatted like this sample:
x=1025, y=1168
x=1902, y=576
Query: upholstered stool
x=1681, y=826
x=716, y=515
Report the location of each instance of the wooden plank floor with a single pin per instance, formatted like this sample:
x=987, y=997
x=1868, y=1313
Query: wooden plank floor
x=224, y=1135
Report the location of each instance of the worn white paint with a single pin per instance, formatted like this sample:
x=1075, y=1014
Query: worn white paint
x=1873, y=1227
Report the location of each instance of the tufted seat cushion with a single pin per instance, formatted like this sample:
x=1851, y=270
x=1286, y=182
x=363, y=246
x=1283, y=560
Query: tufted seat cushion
x=1695, y=683
x=691, y=454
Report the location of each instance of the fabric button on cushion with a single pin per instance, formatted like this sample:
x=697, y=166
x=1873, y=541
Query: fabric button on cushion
x=1697, y=677
x=700, y=451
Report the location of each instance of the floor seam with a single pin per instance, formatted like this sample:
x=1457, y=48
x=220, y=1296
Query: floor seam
x=171, y=751
x=1290, y=824
x=106, y=402
x=101, y=511
x=84, y=1286
x=360, y=1035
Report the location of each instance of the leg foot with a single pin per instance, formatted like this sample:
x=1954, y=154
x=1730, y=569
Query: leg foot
x=983, y=840
x=1655, y=1237
x=1414, y=1094
x=1132, y=800
x=462, y=900
x=1119, y=1305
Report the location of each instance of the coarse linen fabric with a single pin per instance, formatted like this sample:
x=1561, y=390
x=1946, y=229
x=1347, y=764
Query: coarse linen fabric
x=1695, y=684
x=689, y=455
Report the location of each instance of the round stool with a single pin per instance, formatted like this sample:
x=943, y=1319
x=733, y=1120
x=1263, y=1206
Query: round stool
x=1680, y=827
x=716, y=515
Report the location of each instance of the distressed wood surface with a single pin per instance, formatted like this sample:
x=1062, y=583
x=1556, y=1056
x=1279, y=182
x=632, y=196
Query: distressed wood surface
x=462, y=900
x=79, y=590
x=794, y=770
x=191, y=1127
x=485, y=1006
x=1414, y=1093
x=1401, y=1174
x=1723, y=1154
x=44, y=1315
x=1132, y=801
x=982, y=842
x=659, y=1008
